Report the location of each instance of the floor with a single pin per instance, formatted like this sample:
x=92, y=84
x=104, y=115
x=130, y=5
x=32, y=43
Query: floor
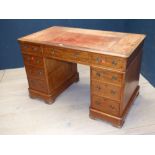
x=70, y=113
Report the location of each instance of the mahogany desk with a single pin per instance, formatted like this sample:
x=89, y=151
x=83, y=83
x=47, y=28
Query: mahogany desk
x=51, y=57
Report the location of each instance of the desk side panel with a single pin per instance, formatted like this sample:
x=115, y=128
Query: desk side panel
x=131, y=80
x=58, y=72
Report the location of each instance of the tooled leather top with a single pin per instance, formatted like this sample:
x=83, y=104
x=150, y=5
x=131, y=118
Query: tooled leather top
x=104, y=42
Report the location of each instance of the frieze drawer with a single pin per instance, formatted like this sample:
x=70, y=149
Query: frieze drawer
x=33, y=60
x=31, y=49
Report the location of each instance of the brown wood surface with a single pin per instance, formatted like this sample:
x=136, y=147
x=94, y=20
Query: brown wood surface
x=107, y=76
x=51, y=57
x=105, y=105
x=106, y=90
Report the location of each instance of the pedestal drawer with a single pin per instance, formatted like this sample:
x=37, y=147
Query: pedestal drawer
x=105, y=105
x=35, y=72
x=33, y=60
x=106, y=90
x=108, y=61
x=107, y=76
x=39, y=85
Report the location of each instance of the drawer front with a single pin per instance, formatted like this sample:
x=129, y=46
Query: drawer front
x=106, y=90
x=35, y=72
x=31, y=49
x=107, y=76
x=33, y=60
x=105, y=105
x=38, y=85
x=108, y=61
x=66, y=54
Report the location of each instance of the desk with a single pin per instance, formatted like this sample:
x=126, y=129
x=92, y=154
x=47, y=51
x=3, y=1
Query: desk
x=51, y=56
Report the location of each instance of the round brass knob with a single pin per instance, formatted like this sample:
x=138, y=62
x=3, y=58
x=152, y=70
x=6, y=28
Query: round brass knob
x=98, y=59
x=114, y=77
x=34, y=48
x=98, y=74
x=32, y=58
x=75, y=55
x=40, y=72
x=53, y=52
x=112, y=107
x=25, y=46
x=37, y=61
x=114, y=63
x=97, y=102
x=98, y=87
x=113, y=92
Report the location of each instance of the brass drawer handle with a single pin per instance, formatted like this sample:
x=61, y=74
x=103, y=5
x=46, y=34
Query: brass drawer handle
x=114, y=77
x=30, y=58
x=25, y=46
x=37, y=61
x=53, y=52
x=98, y=74
x=113, y=92
x=112, y=107
x=40, y=72
x=114, y=63
x=98, y=59
x=76, y=55
x=98, y=87
x=97, y=103
x=34, y=48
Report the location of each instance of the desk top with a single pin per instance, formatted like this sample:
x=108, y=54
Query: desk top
x=104, y=42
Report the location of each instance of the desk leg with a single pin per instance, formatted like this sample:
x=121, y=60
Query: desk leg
x=60, y=75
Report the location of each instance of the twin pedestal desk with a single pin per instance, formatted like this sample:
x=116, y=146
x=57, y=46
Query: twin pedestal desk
x=51, y=57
